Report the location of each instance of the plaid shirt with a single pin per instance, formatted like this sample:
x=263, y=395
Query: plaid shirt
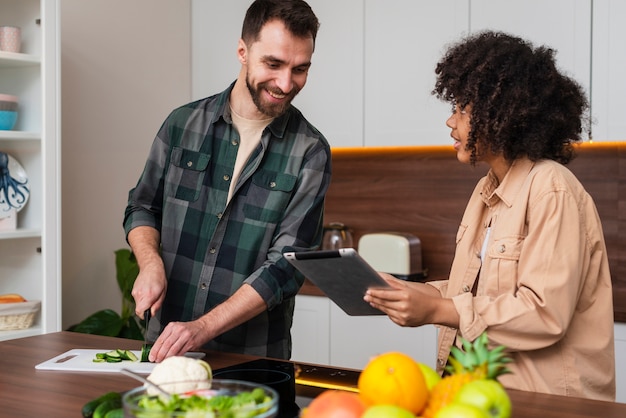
x=210, y=247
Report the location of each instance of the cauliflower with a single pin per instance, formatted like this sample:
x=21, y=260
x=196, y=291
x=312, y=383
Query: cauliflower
x=180, y=374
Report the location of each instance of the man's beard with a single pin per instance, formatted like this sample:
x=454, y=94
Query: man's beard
x=270, y=109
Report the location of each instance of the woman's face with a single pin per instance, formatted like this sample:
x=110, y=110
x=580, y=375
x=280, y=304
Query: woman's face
x=459, y=122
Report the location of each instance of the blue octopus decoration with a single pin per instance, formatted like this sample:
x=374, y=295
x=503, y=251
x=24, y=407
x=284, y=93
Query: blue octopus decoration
x=13, y=192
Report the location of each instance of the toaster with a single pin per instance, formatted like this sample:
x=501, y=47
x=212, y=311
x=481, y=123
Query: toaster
x=396, y=253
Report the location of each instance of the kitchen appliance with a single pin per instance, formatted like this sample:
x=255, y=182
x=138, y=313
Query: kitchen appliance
x=396, y=253
x=297, y=384
x=336, y=236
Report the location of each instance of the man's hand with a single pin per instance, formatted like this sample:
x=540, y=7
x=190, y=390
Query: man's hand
x=178, y=338
x=151, y=283
x=149, y=289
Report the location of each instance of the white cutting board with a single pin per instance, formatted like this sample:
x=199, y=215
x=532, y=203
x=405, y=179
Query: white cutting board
x=81, y=360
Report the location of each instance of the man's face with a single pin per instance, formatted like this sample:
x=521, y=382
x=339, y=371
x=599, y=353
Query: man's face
x=277, y=66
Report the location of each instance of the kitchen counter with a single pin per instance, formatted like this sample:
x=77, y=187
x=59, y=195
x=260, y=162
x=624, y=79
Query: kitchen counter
x=27, y=392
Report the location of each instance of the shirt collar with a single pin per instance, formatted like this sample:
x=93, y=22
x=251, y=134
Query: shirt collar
x=278, y=126
x=506, y=191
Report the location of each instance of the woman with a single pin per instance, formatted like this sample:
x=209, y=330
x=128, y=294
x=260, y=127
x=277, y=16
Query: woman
x=530, y=266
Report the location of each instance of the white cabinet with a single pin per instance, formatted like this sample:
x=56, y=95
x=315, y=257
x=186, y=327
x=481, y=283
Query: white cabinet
x=620, y=361
x=322, y=333
x=403, y=40
x=373, y=69
x=30, y=254
x=354, y=340
x=609, y=67
x=564, y=25
x=310, y=331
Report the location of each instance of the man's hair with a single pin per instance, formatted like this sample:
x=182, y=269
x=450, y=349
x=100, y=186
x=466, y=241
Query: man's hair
x=297, y=16
x=521, y=105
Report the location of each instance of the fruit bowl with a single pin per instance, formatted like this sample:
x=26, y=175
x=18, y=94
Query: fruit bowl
x=138, y=403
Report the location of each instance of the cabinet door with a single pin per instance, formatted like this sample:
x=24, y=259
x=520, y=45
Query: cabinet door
x=310, y=330
x=354, y=340
x=564, y=25
x=404, y=39
x=332, y=100
x=609, y=67
x=620, y=362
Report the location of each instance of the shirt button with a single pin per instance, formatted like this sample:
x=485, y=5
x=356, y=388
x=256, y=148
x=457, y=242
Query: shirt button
x=477, y=254
x=234, y=142
x=219, y=215
x=203, y=286
x=502, y=248
x=212, y=250
x=466, y=288
x=226, y=177
x=272, y=184
x=441, y=362
x=189, y=163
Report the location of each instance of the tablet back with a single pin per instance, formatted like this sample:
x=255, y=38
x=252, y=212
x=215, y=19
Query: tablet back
x=342, y=275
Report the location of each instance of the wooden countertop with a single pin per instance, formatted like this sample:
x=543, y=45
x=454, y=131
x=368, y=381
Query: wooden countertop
x=27, y=392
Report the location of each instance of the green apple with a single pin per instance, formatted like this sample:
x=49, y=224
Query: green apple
x=488, y=395
x=387, y=411
x=430, y=376
x=460, y=410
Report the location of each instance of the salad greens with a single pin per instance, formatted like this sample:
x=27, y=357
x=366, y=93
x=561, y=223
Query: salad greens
x=241, y=405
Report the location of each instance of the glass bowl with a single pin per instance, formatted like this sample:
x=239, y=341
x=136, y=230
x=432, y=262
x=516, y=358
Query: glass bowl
x=266, y=409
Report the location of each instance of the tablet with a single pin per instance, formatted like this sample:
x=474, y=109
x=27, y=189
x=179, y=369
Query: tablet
x=343, y=275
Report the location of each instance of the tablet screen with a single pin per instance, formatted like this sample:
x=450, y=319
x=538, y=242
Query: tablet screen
x=343, y=275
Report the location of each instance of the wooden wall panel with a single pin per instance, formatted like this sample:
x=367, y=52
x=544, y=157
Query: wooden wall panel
x=424, y=190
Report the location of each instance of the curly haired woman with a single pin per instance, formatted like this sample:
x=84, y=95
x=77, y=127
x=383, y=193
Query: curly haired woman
x=530, y=266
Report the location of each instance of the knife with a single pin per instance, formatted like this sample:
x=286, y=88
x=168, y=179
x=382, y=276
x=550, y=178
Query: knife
x=145, y=348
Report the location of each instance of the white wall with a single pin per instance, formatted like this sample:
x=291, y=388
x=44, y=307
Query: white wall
x=125, y=65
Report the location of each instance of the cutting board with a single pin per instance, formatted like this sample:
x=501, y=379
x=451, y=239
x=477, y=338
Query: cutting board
x=81, y=360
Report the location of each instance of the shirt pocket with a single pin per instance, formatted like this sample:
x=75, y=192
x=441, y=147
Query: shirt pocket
x=268, y=195
x=186, y=173
x=503, y=257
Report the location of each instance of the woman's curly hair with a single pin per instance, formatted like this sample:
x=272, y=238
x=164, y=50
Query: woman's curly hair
x=521, y=105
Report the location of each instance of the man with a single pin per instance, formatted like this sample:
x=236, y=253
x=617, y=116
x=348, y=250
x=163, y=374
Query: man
x=231, y=183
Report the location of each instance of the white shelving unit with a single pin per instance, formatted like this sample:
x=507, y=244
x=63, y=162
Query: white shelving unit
x=30, y=255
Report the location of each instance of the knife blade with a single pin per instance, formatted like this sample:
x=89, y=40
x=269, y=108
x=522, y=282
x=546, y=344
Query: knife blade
x=145, y=348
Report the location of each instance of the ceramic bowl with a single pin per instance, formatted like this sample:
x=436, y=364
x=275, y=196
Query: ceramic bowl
x=7, y=119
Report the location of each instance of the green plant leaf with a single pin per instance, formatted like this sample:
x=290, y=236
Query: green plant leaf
x=108, y=322
x=105, y=322
x=127, y=270
x=131, y=330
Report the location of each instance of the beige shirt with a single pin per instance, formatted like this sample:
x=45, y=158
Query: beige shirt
x=250, y=131
x=544, y=287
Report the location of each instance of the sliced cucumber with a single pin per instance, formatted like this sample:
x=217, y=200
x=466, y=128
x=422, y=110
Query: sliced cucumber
x=115, y=356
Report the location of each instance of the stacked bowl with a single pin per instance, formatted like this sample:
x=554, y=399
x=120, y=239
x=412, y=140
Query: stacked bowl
x=8, y=111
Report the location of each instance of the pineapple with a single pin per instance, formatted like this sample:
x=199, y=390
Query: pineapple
x=477, y=362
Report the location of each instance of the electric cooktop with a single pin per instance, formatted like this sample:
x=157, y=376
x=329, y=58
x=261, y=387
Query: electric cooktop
x=296, y=383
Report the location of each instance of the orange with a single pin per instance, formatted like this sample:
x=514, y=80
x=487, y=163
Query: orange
x=335, y=404
x=393, y=379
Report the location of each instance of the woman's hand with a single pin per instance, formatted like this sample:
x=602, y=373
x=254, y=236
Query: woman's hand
x=411, y=304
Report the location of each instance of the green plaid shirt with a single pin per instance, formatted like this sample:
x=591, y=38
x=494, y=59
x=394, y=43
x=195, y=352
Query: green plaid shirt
x=211, y=247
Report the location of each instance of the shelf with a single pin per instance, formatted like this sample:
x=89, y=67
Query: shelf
x=20, y=333
x=19, y=136
x=20, y=233
x=15, y=59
